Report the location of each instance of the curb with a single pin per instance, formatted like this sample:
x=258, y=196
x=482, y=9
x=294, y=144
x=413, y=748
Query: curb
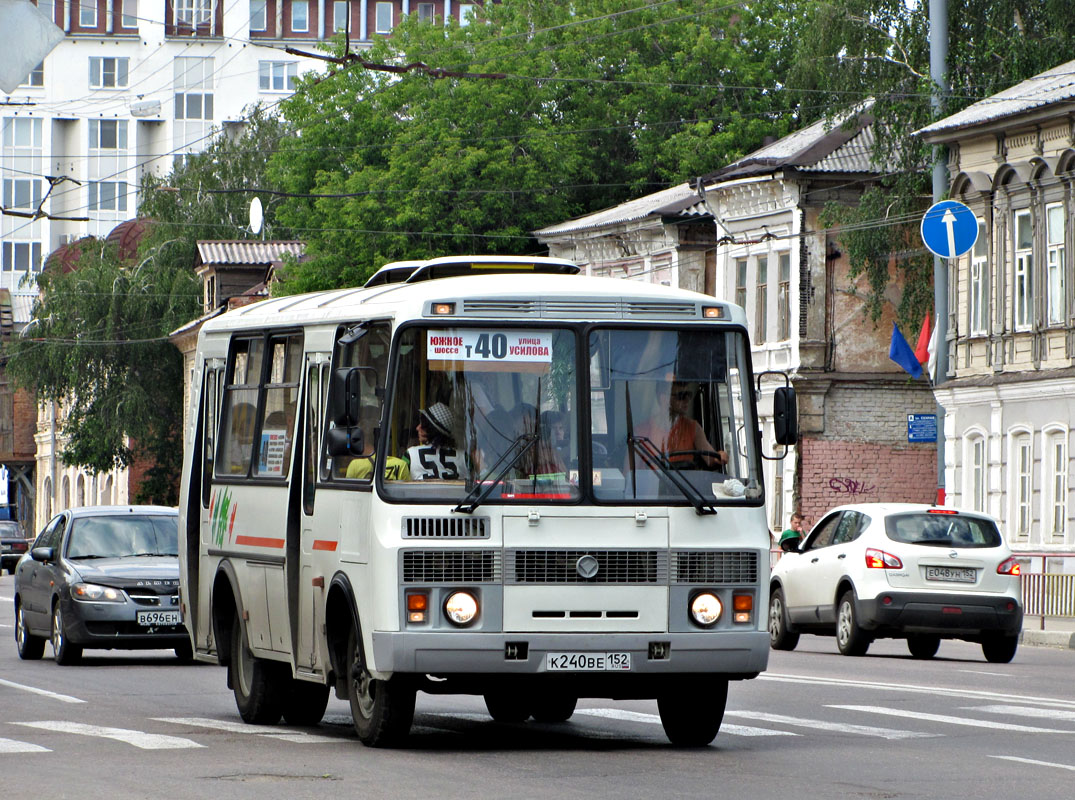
x=1061, y=639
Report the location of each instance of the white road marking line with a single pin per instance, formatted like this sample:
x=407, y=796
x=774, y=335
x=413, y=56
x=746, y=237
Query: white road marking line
x=971, y=723
x=1025, y=711
x=7, y=599
x=914, y=689
x=835, y=727
x=984, y=672
x=1036, y=763
x=139, y=739
x=4, y=625
x=268, y=731
x=638, y=716
x=63, y=698
x=12, y=746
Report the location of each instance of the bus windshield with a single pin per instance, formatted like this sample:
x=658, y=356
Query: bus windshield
x=493, y=415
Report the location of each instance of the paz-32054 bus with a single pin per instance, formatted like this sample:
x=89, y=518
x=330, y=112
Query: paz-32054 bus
x=488, y=476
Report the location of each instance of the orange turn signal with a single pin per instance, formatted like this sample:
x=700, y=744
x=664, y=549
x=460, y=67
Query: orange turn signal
x=743, y=602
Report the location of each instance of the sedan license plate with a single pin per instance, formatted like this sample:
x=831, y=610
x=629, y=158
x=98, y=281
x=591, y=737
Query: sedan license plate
x=956, y=574
x=153, y=618
x=587, y=662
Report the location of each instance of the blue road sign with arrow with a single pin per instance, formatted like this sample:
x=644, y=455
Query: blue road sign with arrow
x=949, y=229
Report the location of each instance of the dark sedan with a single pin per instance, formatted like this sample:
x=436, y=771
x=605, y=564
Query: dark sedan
x=101, y=577
x=13, y=543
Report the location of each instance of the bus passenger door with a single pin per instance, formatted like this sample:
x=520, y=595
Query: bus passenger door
x=202, y=575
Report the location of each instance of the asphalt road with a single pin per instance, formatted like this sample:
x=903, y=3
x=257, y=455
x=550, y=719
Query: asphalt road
x=816, y=725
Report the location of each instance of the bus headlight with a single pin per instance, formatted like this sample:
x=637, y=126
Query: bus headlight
x=706, y=609
x=461, y=608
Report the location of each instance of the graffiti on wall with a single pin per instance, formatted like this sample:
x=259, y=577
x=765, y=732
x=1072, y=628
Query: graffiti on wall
x=850, y=486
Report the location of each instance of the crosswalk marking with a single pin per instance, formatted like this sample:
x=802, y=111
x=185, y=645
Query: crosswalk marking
x=638, y=716
x=835, y=727
x=1036, y=763
x=13, y=746
x=1026, y=711
x=139, y=739
x=268, y=731
x=63, y=698
x=973, y=723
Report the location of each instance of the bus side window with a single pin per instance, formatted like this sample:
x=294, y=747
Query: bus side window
x=235, y=444
x=369, y=351
x=211, y=418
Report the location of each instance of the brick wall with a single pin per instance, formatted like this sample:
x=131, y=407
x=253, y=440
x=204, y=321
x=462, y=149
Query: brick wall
x=834, y=472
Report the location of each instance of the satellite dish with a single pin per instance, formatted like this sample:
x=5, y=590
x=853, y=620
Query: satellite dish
x=257, y=216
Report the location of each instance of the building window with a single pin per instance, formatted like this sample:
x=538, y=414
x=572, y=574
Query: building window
x=1022, y=485
x=108, y=134
x=193, y=12
x=87, y=13
x=425, y=12
x=22, y=132
x=108, y=73
x=1024, y=263
x=741, y=282
x=129, y=14
x=783, y=298
x=979, y=283
x=108, y=196
x=761, y=300
x=193, y=74
x=383, y=18
x=1056, y=485
x=21, y=257
x=36, y=76
x=1054, y=263
x=976, y=483
x=277, y=76
x=22, y=193
x=300, y=16
x=258, y=15
x=340, y=15
x=466, y=13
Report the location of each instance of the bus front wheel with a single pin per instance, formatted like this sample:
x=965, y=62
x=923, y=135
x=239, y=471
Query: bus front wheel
x=692, y=713
x=258, y=685
x=382, y=711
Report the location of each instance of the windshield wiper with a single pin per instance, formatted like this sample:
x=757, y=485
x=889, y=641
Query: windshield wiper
x=483, y=488
x=83, y=558
x=652, y=456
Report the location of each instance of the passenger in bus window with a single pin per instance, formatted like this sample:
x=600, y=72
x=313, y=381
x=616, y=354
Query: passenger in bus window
x=240, y=441
x=435, y=456
x=676, y=433
x=361, y=468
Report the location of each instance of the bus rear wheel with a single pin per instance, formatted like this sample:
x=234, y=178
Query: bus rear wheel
x=382, y=711
x=305, y=702
x=258, y=685
x=692, y=713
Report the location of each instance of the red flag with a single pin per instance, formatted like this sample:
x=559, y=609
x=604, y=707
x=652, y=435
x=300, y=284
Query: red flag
x=921, y=351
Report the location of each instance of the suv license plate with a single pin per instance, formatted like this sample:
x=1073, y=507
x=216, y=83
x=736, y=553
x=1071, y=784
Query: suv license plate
x=586, y=662
x=151, y=618
x=956, y=574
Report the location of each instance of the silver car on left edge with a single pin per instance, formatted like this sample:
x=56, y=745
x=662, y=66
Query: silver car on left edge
x=101, y=577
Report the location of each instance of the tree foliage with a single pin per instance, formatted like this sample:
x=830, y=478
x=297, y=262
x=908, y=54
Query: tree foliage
x=600, y=101
x=850, y=50
x=98, y=341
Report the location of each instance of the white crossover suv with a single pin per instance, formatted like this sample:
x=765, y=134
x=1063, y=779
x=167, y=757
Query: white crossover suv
x=899, y=570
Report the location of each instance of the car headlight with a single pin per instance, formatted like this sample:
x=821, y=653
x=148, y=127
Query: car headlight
x=461, y=608
x=706, y=608
x=91, y=592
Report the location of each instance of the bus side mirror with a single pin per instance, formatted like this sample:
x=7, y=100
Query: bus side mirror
x=345, y=396
x=345, y=442
x=785, y=415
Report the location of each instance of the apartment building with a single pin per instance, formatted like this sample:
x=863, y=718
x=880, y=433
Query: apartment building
x=1009, y=394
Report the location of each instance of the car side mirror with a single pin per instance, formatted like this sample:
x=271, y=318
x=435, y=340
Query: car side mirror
x=43, y=554
x=788, y=545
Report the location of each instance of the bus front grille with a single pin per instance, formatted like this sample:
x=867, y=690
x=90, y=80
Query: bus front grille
x=451, y=566
x=586, y=566
x=446, y=527
x=715, y=566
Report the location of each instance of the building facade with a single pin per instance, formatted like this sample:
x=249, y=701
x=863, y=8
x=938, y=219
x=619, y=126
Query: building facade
x=1009, y=393
x=751, y=233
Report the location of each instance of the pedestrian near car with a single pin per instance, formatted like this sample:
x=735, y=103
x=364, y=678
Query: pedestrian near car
x=793, y=534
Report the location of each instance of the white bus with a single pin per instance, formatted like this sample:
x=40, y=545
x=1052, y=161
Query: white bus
x=486, y=476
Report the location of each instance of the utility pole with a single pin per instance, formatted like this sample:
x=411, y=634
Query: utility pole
x=938, y=73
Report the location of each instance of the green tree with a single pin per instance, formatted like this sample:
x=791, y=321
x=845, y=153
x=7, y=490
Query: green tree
x=851, y=50
x=98, y=341
x=598, y=101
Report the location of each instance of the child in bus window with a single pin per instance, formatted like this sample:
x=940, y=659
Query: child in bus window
x=435, y=456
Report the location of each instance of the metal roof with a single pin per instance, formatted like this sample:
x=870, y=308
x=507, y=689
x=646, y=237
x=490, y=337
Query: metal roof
x=650, y=205
x=1052, y=86
x=246, y=251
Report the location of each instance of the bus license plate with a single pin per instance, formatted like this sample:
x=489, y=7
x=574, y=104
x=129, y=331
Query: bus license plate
x=586, y=662
x=956, y=574
x=152, y=618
